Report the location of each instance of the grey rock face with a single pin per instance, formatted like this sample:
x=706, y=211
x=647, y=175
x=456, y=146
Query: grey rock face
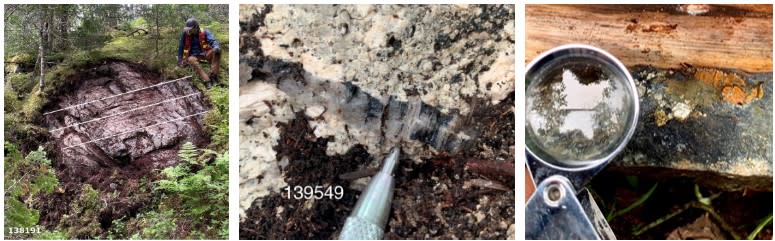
x=118, y=139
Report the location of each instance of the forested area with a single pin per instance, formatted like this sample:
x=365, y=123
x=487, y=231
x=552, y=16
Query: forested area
x=50, y=53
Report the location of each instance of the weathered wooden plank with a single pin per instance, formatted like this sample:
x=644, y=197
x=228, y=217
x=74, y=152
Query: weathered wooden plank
x=666, y=36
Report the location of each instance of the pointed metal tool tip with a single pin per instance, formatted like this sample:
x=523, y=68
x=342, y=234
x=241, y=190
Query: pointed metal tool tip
x=391, y=161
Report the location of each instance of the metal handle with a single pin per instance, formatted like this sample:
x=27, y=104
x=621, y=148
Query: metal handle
x=370, y=215
x=554, y=212
x=356, y=228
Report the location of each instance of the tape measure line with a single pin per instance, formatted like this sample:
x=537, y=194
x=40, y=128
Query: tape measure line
x=123, y=112
x=116, y=95
x=126, y=132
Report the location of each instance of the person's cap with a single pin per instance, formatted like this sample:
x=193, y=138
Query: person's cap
x=191, y=23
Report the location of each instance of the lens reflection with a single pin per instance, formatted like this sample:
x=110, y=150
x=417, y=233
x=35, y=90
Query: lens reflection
x=577, y=109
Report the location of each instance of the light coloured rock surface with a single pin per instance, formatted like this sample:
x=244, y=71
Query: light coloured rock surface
x=681, y=111
x=397, y=50
x=259, y=171
x=374, y=75
x=511, y=232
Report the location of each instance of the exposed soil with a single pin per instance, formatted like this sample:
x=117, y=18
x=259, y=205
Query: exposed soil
x=120, y=165
x=438, y=198
x=283, y=218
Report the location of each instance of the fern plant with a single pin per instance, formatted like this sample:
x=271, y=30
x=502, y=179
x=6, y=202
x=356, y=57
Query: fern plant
x=203, y=193
x=188, y=153
x=217, y=120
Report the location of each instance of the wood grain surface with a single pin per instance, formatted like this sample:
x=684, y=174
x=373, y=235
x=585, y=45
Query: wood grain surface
x=666, y=36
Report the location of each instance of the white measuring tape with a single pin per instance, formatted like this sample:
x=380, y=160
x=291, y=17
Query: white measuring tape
x=123, y=112
x=126, y=132
x=108, y=97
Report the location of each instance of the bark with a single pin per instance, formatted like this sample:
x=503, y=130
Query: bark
x=43, y=34
x=63, y=26
x=157, y=30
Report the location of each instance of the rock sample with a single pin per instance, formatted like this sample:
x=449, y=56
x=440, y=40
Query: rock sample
x=709, y=124
x=372, y=77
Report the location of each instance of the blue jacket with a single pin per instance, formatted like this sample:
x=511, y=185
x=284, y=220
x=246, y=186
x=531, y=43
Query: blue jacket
x=195, y=48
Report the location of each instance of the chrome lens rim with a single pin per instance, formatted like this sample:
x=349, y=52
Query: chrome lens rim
x=593, y=53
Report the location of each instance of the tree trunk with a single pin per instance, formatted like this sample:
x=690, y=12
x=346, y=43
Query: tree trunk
x=61, y=42
x=157, y=29
x=48, y=18
x=42, y=32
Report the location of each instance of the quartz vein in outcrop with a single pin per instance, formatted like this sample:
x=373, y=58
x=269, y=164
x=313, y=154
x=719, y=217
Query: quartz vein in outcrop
x=348, y=67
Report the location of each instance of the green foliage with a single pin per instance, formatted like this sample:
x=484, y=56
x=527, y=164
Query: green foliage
x=22, y=106
x=219, y=97
x=203, y=193
x=22, y=58
x=45, y=180
x=158, y=225
x=137, y=23
x=12, y=157
x=18, y=98
x=38, y=157
x=28, y=176
x=45, y=183
x=223, y=233
x=193, y=193
x=25, y=179
x=11, y=96
x=188, y=153
x=143, y=184
x=118, y=230
x=20, y=30
x=20, y=84
x=217, y=120
x=763, y=222
x=144, y=33
x=82, y=222
x=196, y=191
x=51, y=235
x=32, y=106
x=17, y=214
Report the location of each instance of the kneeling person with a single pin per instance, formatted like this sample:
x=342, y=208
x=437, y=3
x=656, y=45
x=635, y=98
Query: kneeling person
x=196, y=45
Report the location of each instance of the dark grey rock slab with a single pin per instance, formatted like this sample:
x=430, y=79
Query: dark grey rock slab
x=714, y=126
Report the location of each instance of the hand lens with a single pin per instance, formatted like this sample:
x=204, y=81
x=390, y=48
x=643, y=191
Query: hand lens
x=581, y=110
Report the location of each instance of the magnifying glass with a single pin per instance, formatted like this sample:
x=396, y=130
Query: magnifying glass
x=581, y=110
